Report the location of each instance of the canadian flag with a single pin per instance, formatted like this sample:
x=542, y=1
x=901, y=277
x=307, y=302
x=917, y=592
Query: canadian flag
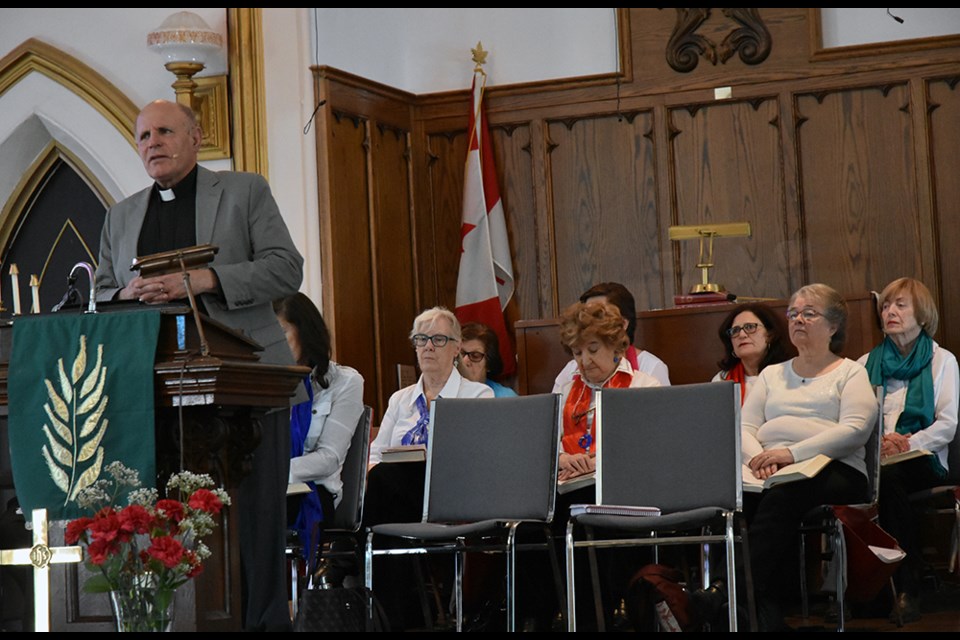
x=485, y=282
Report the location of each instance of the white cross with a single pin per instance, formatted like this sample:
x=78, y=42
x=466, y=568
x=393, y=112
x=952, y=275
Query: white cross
x=41, y=557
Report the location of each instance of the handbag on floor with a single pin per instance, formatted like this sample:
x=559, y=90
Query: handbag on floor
x=340, y=610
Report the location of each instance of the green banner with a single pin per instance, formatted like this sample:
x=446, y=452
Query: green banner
x=81, y=396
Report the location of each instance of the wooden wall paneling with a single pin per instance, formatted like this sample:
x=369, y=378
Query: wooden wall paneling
x=393, y=241
x=726, y=164
x=447, y=152
x=797, y=267
x=542, y=195
x=943, y=118
x=348, y=287
x=513, y=157
x=605, y=220
x=859, y=186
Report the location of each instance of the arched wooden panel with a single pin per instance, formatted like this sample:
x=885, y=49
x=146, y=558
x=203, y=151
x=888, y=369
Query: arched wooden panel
x=602, y=178
x=725, y=159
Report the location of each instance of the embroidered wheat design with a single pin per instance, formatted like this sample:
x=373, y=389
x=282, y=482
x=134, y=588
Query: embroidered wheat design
x=75, y=408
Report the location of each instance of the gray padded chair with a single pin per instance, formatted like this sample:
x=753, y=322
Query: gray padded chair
x=491, y=464
x=349, y=513
x=676, y=448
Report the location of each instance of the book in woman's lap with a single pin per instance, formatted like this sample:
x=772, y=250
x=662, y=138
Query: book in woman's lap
x=803, y=470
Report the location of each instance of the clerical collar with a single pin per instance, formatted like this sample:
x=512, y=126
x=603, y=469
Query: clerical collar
x=184, y=189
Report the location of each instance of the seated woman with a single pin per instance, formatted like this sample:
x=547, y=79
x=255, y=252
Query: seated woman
x=818, y=402
x=395, y=490
x=753, y=336
x=618, y=295
x=480, y=358
x=919, y=413
x=595, y=334
x=322, y=427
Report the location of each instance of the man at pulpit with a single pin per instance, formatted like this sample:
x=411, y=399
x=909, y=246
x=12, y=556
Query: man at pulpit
x=257, y=262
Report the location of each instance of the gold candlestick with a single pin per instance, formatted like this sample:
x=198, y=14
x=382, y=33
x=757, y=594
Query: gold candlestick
x=34, y=293
x=15, y=285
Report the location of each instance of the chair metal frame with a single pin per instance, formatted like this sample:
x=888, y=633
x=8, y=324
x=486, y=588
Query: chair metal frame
x=676, y=516
x=951, y=489
x=349, y=513
x=823, y=521
x=490, y=525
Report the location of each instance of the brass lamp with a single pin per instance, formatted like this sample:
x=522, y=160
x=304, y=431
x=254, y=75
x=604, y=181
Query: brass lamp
x=705, y=233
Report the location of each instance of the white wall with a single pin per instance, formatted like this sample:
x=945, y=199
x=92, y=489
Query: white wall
x=427, y=50
x=843, y=27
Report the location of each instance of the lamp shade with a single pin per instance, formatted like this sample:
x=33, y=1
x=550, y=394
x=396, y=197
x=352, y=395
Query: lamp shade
x=185, y=37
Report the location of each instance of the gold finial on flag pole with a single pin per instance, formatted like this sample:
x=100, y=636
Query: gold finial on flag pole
x=479, y=56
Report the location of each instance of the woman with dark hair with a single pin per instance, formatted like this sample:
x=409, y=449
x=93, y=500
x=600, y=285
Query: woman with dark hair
x=480, y=358
x=322, y=427
x=753, y=336
x=920, y=405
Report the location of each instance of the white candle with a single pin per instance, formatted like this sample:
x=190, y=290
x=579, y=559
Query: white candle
x=35, y=294
x=15, y=285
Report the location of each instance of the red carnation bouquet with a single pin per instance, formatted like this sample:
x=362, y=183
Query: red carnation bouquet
x=148, y=548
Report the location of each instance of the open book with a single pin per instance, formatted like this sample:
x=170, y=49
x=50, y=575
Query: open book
x=404, y=453
x=612, y=510
x=802, y=470
x=298, y=488
x=576, y=482
x=903, y=457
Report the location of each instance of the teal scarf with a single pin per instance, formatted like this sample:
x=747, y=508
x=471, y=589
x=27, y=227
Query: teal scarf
x=885, y=362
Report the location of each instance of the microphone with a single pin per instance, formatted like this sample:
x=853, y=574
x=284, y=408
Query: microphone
x=70, y=295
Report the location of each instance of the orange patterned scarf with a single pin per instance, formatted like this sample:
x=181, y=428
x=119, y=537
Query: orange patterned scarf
x=578, y=412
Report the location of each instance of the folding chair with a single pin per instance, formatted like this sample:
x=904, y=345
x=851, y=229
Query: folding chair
x=823, y=520
x=491, y=464
x=349, y=513
x=676, y=448
x=945, y=499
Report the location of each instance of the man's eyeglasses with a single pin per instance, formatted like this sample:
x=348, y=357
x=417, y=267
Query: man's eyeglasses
x=806, y=314
x=748, y=328
x=475, y=356
x=439, y=340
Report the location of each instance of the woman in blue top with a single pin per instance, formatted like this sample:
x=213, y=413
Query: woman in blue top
x=480, y=358
x=321, y=428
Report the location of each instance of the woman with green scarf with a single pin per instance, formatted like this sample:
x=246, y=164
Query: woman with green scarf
x=920, y=379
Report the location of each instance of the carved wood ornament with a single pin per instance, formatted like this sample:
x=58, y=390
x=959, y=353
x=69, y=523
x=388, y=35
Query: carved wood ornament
x=751, y=41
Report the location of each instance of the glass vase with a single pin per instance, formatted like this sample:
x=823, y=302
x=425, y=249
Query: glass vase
x=139, y=604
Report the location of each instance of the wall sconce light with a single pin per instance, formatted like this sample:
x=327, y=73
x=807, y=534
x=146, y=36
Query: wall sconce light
x=187, y=44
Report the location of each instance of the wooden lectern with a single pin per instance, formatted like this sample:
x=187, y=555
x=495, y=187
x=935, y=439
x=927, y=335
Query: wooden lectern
x=208, y=412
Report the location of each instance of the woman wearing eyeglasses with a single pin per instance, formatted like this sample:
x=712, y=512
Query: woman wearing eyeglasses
x=753, y=336
x=395, y=489
x=480, y=358
x=817, y=402
x=436, y=339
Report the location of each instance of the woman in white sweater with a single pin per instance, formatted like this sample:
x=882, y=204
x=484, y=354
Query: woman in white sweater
x=815, y=403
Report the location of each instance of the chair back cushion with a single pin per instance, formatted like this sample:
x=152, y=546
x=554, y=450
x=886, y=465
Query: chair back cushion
x=354, y=477
x=492, y=459
x=676, y=448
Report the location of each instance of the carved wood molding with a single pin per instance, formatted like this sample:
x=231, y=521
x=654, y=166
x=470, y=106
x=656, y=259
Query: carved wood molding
x=751, y=40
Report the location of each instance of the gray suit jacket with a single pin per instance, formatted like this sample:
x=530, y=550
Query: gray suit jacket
x=257, y=262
